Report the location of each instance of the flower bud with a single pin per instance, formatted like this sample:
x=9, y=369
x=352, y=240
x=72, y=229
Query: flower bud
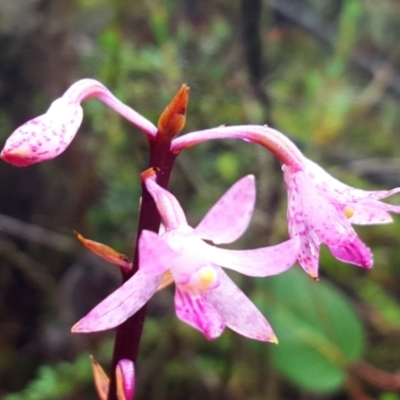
x=173, y=119
x=44, y=137
x=125, y=376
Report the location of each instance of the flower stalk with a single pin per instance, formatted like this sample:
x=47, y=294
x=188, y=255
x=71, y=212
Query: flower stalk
x=128, y=335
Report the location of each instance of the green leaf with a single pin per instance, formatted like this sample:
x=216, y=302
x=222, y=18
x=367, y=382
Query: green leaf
x=319, y=333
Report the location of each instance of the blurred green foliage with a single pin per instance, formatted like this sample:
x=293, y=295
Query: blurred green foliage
x=62, y=380
x=319, y=333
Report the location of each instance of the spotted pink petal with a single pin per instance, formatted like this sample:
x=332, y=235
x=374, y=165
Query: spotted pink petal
x=264, y=261
x=238, y=312
x=372, y=212
x=44, y=137
x=121, y=304
x=230, y=216
x=356, y=253
x=377, y=194
x=309, y=255
x=125, y=377
x=309, y=213
x=338, y=190
x=194, y=309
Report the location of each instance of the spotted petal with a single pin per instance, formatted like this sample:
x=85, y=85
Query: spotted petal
x=309, y=211
x=230, y=216
x=338, y=190
x=372, y=212
x=309, y=254
x=194, y=309
x=356, y=253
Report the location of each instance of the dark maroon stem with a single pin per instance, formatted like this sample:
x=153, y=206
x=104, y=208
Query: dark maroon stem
x=128, y=335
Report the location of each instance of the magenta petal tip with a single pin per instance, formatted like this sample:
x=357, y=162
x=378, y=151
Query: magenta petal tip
x=125, y=377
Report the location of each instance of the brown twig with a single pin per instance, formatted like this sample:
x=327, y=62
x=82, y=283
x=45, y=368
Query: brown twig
x=375, y=376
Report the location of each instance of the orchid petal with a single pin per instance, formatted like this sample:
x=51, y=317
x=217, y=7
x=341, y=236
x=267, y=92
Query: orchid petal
x=195, y=310
x=376, y=194
x=265, y=261
x=339, y=190
x=367, y=215
x=44, y=137
x=121, y=304
x=309, y=255
x=309, y=211
x=155, y=256
x=372, y=212
x=356, y=253
x=168, y=206
x=230, y=216
x=238, y=312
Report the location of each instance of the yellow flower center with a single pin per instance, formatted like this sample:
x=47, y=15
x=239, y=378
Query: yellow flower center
x=203, y=279
x=206, y=277
x=348, y=212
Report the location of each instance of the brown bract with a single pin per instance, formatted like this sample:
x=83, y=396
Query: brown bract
x=101, y=380
x=104, y=251
x=173, y=119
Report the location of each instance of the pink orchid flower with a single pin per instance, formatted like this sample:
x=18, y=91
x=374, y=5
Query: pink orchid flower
x=321, y=209
x=46, y=136
x=205, y=297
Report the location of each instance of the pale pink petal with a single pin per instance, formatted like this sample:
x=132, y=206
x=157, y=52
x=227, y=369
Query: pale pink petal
x=356, y=253
x=340, y=191
x=230, y=216
x=121, y=304
x=377, y=194
x=168, y=206
x=155, y=256
x=194, y=309
x=125, y=377
x=44, y=137
x=265, y=261
x=331, y=186
x=367, y=212
x=238, y=312
x=309, y=255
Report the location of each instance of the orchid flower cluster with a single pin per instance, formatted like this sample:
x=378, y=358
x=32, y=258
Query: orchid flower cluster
x=321, y=210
